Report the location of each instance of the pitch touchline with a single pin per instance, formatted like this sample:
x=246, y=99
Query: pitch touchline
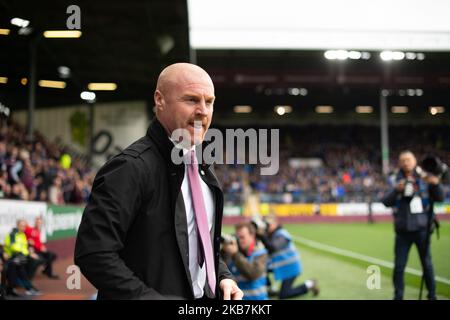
x=362, y=257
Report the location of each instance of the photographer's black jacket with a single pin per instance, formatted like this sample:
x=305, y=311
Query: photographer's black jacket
x=133, y=240
x=272, y=242
x=403, y=219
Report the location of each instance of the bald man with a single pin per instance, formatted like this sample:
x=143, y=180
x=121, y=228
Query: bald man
x=151, y=229
x=412, y=200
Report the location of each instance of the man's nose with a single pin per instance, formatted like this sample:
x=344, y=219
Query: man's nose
x=202, y=109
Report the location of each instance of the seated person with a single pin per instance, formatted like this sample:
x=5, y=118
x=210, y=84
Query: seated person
x=2, y=275
x=19, y=259
x=35, y=241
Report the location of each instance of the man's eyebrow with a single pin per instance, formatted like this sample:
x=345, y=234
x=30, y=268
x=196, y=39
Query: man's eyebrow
x=190, y=95
x=196, y=95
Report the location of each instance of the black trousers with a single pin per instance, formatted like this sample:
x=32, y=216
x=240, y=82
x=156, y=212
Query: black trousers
x=47, y=257
x=288, y=290
x=16, y=275
x=403, y=242
x=3, y=278
x=32, y=265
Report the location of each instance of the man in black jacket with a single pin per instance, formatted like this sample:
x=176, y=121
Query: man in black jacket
x=412, y=200
x=139, y=237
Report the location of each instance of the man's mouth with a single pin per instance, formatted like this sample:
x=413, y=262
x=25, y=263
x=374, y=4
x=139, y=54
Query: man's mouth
x=197, y=125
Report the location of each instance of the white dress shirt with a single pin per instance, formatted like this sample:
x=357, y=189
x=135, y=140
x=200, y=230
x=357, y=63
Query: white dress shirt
x=198, y=274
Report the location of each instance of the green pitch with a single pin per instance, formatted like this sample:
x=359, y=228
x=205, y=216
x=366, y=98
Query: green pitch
x=336, y=255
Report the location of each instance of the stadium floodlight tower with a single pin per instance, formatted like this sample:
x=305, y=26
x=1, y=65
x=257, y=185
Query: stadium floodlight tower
x=36, y=38
x=384, y=131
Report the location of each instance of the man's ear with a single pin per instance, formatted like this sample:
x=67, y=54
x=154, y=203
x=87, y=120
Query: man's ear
x=159, y=100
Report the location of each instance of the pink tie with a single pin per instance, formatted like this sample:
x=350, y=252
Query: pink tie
x=205, y=250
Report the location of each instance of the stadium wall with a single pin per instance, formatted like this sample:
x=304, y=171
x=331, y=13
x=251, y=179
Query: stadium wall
x=326, y=212
x=61, y=222
x=324, y=209
x=116, y=125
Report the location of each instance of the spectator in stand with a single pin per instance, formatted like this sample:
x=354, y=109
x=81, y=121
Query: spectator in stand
x=13, y=165
x=5, y=188
x=43, y=196
x=56, y=195
x=33, y=166
x=18, y=192
x=2, y=155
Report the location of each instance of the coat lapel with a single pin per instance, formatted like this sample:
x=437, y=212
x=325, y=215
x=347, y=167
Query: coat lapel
x=176, y=174
x=182, y=235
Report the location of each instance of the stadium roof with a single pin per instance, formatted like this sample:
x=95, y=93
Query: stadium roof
x=125, y=42
x=129, y=42
x=320, y=24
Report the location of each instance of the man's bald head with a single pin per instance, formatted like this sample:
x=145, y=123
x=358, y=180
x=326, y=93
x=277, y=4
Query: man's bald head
x=179, y=73
x=185, y=94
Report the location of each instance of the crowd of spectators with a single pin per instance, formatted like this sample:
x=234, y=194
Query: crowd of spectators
x=40, y=171
x=350, y=169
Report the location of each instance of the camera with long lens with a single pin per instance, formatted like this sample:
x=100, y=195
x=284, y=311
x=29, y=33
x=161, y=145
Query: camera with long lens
x=433, y=165
x=259, y=224
x=228, y=239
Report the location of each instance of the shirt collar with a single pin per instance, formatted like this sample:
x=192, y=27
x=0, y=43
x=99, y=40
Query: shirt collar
x=177, y=145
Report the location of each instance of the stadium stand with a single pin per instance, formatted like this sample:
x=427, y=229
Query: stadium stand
x=350, y=169
x=33, y=171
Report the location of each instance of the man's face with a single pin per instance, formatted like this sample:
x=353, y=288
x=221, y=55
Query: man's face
x=245, y=238
x=14, y=152
x=271, y=227
x=16, y=189
x=407, y=162
x=185, y=102
x=21, y=225
x=38, y=223
x=57, y=182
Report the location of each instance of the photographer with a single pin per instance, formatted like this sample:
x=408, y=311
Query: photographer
x=412, y=200
x=247, y=262
x=285, y=261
